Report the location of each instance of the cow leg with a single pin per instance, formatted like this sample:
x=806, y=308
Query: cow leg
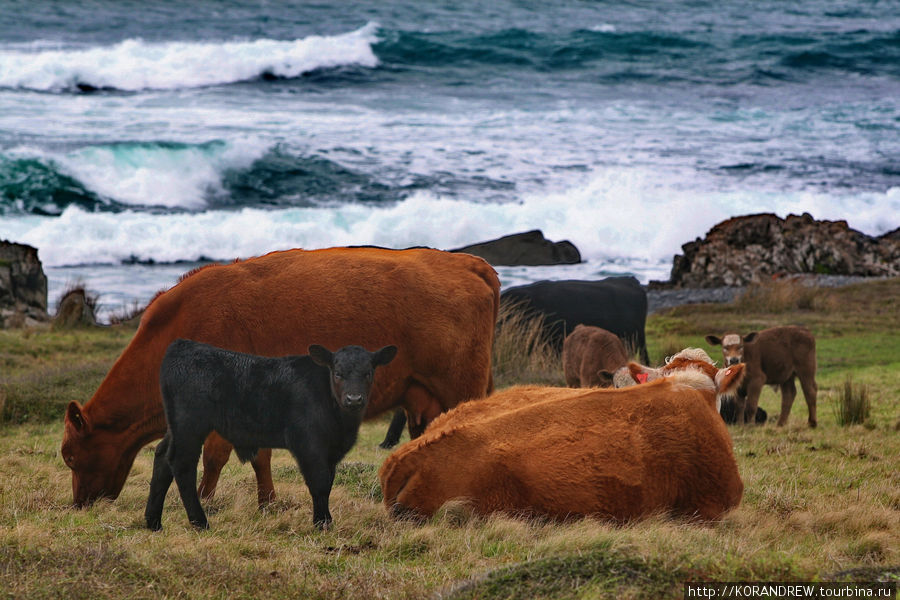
x=810, y=390
x=422, y=407
x=216, y=451
x=395, y=430
x=788, y=393
x=159, y=485
x=265, y=488
x=183, y=455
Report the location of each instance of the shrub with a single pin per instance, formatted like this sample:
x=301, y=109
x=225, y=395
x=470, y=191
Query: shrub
x=852, y=405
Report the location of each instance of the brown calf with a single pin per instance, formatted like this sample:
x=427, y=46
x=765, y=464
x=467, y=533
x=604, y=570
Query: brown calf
x=590, y=356
x=773, y=356
x=561, y=453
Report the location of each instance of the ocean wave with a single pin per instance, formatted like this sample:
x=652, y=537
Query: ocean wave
x=661, y=216
x=134, y=65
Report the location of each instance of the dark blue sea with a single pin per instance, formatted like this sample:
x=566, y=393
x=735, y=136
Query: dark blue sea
x=139, y=137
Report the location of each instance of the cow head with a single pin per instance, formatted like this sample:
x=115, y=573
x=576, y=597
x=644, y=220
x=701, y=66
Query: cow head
x=692, y=367
x=95, y=455
x=732, y=346
x=352, y=370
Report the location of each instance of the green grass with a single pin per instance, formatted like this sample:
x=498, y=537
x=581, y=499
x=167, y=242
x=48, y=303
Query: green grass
x=818, y=503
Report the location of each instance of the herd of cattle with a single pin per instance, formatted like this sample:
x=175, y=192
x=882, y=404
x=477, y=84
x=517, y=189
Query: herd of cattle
x=271, y=352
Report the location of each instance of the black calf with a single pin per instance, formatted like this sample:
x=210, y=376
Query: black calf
x=312, y=405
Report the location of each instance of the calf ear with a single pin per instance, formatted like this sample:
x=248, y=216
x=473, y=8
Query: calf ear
x=606, y=378
x=728, y=380
x=384, y=356
x=714, y=340
x=321, y=355
x=76, y=418
x=749, y=337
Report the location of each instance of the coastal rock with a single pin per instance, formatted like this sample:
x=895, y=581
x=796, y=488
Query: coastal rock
x=23, y=286
x=76, y=309
x=530, y=248
x=753, y=248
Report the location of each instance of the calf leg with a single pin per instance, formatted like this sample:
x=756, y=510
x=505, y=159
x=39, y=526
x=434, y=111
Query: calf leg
x=788, y=393
x=810, y=389
x=319, y=477
x=159, y=485
x=754, y=389
x=183, y=455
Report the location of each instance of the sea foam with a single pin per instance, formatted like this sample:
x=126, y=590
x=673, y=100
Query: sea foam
x=134, y=64
x=620, y=216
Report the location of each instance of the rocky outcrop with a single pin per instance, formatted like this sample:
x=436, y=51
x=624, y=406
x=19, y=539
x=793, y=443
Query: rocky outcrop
x=525, y=249
x=23, y=286
x=77, y=308
x=754, y=248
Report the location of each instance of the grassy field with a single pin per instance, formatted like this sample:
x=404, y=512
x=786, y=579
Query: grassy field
x=818, y=504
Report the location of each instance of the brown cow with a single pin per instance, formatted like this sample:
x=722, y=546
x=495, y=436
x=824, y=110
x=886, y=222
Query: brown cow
x=438, y=308
x=558, y=452
x=773, y=356
x=590, y=355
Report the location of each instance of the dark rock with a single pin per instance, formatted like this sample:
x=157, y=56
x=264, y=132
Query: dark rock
x=755, y=248
x=525, y=249
x=23, y=286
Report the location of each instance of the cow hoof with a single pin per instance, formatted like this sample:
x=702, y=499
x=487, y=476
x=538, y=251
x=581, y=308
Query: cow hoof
x=154, y=525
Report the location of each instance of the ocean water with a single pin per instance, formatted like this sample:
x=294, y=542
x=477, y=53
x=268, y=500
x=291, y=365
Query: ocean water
x=139, y=138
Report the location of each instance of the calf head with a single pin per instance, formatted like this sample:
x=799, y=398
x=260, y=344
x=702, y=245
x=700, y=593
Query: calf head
x=692, y=367
x=732, y=346
x=352, y=369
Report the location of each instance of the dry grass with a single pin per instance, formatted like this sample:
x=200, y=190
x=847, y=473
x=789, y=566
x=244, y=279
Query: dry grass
x=783, y=295
x=818, y=503
x=852, y=405
x=522, y=353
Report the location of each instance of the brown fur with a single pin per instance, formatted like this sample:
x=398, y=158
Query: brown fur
x=560, y=453
x=438, y=308
x=773, y=357
x=590, y=355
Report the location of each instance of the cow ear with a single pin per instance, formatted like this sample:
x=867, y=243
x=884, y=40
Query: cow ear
x=384, y=356
x=321, y=355
x=749, y=337
x=714, y=340
x=728, y=380
x=76, y=418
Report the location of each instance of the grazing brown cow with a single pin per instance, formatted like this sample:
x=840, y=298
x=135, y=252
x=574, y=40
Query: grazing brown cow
x=590, y=356
x=621, y=454
x=438, y=308
x=773, y=356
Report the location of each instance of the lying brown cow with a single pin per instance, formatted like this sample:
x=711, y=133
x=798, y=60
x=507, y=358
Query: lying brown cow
x=438, y=308
x=773, y=357
x=590, y=355
x=558, y=452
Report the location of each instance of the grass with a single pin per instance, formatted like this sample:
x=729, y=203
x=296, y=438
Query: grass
x=852, y=405
x=819, y=504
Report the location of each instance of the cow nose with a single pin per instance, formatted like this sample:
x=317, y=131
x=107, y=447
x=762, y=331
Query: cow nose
x=733, y=361
x=354, y=399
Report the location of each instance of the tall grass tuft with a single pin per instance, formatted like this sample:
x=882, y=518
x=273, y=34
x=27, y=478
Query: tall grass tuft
x=522, y=352
x=852, y=406
x=783, y=295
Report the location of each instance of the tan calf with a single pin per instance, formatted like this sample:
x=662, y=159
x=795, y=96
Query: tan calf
x=773, y=356
x=591, y=355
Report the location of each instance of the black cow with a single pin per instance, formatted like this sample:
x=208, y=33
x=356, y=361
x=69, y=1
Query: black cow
x=312, y=405
x=617, y=304
x=729, y=412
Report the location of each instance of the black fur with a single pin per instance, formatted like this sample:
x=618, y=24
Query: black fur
x=312, y=405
